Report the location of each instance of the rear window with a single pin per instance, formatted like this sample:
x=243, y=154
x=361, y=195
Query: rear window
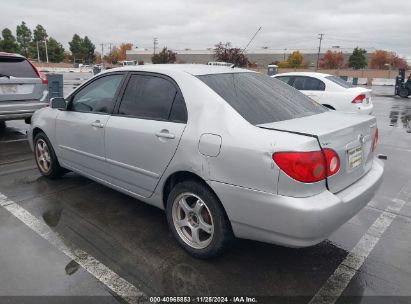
x=16, y=67
x=261, y=99
x=340, y=82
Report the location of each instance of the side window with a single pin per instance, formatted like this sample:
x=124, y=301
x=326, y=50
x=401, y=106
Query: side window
x=178, y=111
x=285, y=79
x=98, y=96
x=149, y=97
x=308, y=84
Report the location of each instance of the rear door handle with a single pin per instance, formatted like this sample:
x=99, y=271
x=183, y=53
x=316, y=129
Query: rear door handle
x=165, y=134
x=97, y=124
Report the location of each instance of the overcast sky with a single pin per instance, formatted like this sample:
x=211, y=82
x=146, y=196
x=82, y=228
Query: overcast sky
x=195, y=24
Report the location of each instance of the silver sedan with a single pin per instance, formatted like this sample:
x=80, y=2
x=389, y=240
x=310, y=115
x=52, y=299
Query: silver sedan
x=226, y=152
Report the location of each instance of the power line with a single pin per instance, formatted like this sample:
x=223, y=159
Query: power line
x=319, y=50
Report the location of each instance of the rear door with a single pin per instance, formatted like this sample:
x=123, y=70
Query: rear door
x=19, y=80
x=310, y=86
x=143, y=134
x=80, y=129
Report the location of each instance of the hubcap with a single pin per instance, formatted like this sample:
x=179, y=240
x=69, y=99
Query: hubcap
x=192, y=220
x=43, y=156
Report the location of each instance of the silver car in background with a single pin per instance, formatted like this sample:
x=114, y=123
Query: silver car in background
x=225, y=151
x=23, y=88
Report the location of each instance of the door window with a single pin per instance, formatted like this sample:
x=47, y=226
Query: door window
x=152, y=97
x=285, y=79
x=97, y=97
x=308, y=84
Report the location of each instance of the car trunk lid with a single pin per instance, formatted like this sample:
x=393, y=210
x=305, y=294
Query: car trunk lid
x=350, y=135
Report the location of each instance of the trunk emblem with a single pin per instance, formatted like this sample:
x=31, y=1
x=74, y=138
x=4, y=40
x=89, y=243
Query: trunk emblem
x=361, y=138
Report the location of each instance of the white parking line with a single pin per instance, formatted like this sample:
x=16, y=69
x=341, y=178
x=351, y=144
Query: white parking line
x=339, y=280
x=105, y=275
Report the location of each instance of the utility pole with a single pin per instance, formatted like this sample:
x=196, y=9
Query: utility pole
x=285, y=50
x=155, y=43
x=252, y=38
x=319, y=50
x=47, y=55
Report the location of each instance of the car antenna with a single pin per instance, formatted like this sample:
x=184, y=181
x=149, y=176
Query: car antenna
x=252, y=38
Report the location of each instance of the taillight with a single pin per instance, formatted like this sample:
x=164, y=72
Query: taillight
x=308, y=167
x=41, y=75
x=359, y=99
x=375, y=140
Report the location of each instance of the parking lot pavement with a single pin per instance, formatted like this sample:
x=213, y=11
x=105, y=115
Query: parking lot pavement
x=48, y=223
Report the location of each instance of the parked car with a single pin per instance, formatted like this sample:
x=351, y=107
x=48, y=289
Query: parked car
x=225, y=151
x=23, y=88
x=331, y=91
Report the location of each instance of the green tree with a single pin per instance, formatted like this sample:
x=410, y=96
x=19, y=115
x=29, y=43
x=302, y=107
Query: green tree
x=37, y=47
x=295, y=59
x=357, y=59
x=55, y=50
x=88, y=49
x=75, y=46
x=165, y=56
x=8, y=43
x=24, y=37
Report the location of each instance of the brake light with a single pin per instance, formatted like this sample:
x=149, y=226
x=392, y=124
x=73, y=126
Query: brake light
x=375, y=140
x=359, y=99
x=41, y=75
x=308, y=167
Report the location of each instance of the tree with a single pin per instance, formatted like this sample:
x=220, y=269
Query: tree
x=225, y=53
x=76, y=46
x=357, y=59
x=399, y=63
x=165, y=56
x=124, y=47
x=295, y=59
x=8, y=43
x=55, y=50
x=37, y=47
x=88, y=49
x=24, y=37
x=379, y=59
x=332, y=60
x=113, y=56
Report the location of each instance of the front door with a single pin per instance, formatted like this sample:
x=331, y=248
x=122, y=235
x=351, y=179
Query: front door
x=144, y=132
x=80, y=129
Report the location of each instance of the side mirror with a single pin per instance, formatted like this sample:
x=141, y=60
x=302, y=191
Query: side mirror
x=58, y=103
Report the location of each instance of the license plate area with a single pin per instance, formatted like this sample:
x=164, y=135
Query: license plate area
x=354, y=157
x=8, y=89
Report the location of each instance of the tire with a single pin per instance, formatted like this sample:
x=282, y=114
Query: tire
x=201, y=215
x=404, y=92
x=2, y=125
x=45, y=157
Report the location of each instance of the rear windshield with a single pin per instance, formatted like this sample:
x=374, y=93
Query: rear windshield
x=16, y=67
x=339, y=81
x=261, y=99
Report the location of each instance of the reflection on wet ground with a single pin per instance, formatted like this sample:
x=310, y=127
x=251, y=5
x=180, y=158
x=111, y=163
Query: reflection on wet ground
x=400, y=115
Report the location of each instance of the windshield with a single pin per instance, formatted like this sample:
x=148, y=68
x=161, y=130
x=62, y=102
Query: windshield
x=16, y=67
x=261, y=99
x=340, y=82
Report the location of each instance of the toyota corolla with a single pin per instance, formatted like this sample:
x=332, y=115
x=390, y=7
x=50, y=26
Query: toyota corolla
x=226, y=152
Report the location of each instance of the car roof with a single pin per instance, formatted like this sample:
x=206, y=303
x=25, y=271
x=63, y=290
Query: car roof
x=4, y=54
x=193, y=69
x=312, y=74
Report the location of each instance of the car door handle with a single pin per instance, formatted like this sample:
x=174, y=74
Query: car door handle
x=97, y=124
x=165, y=134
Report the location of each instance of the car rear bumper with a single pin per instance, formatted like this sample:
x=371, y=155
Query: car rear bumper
x=291, y=221
x=20, y=109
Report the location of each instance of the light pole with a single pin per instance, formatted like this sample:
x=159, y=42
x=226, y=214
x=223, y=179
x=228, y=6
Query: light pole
x=47, y=55
x=38, y=51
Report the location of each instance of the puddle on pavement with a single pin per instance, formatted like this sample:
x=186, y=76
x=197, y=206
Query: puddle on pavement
x=52, y=217
x=400, y=116
x=71, y=267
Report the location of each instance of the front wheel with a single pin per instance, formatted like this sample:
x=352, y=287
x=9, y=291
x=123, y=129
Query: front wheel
x=45, y=157
x=198, y=220
x=404, y=92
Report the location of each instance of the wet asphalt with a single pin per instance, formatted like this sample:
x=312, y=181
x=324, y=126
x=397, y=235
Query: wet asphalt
x=133, y=239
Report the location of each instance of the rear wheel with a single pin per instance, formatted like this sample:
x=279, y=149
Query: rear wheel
x=197, y=220
x=45, y=157
x=404, y=92
x=2, y=125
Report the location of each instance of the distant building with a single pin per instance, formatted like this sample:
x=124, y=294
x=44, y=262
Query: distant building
x=262, y=57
